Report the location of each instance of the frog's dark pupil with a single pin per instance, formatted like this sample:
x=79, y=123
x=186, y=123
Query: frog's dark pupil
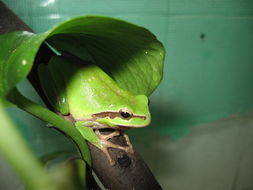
x=125, y=114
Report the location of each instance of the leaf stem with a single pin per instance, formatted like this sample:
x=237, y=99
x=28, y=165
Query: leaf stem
x=52, y=118
x=18, y=155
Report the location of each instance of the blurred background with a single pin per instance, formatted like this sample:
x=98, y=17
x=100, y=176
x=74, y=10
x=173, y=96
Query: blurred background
x=202, y=113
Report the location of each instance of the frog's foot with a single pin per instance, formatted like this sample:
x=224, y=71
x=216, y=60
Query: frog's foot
x=131, y=150
x=104, y=140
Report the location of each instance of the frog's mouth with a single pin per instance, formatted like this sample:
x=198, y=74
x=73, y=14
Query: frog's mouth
x=121, y=127
x=113, y=115
x=97, y=125
x=141, y=120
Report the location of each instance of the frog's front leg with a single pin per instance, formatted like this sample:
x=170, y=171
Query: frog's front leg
x=104, y=140
x=131, y=150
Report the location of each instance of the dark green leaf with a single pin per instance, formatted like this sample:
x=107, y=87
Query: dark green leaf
x=128, y=53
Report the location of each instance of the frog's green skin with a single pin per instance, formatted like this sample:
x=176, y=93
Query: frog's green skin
x=90, y=96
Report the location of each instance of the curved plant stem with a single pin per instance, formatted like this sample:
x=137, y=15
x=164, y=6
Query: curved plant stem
x=59, y=123
x=17, y=154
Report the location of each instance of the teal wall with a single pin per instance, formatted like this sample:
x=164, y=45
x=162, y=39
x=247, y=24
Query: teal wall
x=202, y=127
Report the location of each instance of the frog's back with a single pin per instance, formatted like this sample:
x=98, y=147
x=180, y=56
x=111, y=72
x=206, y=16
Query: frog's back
x=88, y=88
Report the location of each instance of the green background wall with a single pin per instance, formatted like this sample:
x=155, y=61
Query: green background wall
x=201, y=133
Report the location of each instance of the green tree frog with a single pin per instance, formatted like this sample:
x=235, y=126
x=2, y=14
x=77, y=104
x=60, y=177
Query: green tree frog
x=83, y=91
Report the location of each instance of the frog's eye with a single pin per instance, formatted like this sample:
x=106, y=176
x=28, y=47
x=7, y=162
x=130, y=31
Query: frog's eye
x=125, y=113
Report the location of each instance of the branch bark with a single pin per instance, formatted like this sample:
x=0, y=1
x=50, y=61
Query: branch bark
x=130, y=171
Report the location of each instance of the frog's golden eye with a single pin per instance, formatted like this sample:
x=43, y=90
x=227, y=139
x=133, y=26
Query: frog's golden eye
x=125, y=113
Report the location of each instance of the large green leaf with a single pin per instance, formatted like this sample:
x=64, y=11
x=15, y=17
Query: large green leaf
x=128, y=53
x=17, y=54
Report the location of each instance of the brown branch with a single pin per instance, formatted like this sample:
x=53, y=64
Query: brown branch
x=130, y=171
x=9, y=22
